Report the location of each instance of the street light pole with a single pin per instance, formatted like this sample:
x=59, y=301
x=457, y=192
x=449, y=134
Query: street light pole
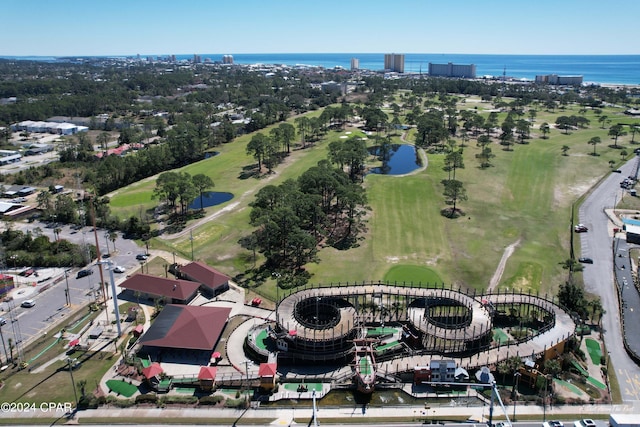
x=515, y=393
x=73, y=384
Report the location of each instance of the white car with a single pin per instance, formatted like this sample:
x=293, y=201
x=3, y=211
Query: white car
x=586, y=422
x=119, y=269
x=28, y=303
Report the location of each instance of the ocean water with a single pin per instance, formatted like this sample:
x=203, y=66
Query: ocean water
x=610, y=69
x=622, y=69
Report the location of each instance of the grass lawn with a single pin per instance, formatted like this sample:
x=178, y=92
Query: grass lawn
x=54, y=383
x=525, y=197
x=595, y=352
x=122, y=388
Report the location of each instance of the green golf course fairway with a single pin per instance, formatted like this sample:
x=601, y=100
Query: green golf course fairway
x=525, y=196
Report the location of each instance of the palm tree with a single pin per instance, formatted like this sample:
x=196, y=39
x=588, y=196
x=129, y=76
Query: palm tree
x=113, y=236
x=565, y=149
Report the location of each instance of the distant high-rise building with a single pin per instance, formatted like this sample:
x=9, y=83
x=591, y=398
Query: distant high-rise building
x=197, y=59
x=452, y=70
x=554, y=79
x=227, y=59
x=172, y=58
x=394, y=62
x=149, y=58
x=355, y=64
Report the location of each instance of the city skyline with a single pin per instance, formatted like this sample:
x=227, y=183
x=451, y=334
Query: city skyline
x=160, y=27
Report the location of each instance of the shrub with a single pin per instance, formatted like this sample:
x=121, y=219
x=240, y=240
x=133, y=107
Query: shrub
x=146, y=398
x=210, y=400
x=178, y=399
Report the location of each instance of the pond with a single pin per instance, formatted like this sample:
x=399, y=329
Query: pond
x=211, y=198
x=397, y=159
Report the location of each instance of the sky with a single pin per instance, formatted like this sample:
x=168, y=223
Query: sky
x=162, y=27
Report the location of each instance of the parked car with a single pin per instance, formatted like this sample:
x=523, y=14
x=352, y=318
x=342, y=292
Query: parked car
x=554, y=423
x=3, y=321
x=119, y=269
x=84, y=273
x=586, y=422
x=585, y=260
x=580, y=228
x=28, y=303
x=142, y=257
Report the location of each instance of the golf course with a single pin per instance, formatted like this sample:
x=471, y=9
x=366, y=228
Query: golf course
x=523, y=199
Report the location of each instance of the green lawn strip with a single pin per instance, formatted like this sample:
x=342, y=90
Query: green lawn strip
x=122, y=388
x=597, y=383
x=500, y=336
x=593, y=347
x=260, y=339
x=580, y=368
x=376, y=332
x=365, y=366
x=412, y=274
x=309, y=386
x=570, y=386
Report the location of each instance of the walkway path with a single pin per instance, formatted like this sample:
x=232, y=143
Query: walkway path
x=495, y=279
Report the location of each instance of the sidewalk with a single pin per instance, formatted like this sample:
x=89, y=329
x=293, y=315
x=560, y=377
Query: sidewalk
x=356, y=413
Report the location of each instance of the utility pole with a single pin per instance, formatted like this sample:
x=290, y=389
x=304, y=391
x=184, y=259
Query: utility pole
x=73, y=384
x=6, y=355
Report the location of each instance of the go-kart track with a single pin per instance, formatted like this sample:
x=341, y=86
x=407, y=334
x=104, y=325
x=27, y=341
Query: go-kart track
x=319, y=324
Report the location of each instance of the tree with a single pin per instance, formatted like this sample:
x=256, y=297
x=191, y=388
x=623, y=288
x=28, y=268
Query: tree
x=454, y=192
x=571, y=295
x=544, y=128
x=572, y=265
x=616, y=131
x=453, y=161
x=257, y=147
x=202, y=182
x=634, y=129
x=113, y=236
x=303, y=127
x=602, y=119
x=623, y=154
x=565, y=149
x=594, y=141
x=102, y=139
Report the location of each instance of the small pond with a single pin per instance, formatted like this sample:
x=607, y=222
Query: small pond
x=211, y=198
x=397, y=159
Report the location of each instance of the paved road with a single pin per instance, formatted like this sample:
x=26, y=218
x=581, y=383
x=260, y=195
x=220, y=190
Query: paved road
x=27, y=324
x=598, y=278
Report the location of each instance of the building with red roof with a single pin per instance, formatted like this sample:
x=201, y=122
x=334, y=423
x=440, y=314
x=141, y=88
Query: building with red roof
x=268, y=373
x=184, y=327
x=153, y=287
x=207, y=377
x=211, y=281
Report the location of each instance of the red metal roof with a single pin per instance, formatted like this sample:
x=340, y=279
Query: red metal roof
x=268, y=370
x=202, y=273
x=207, y=373
x=185, y=326
x=152, y=370
x=160, y=286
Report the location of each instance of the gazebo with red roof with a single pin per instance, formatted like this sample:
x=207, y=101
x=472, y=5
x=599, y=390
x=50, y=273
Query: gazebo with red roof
x=211, y=281
x=268, y=373
x=152, y=373
x=207, y=377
